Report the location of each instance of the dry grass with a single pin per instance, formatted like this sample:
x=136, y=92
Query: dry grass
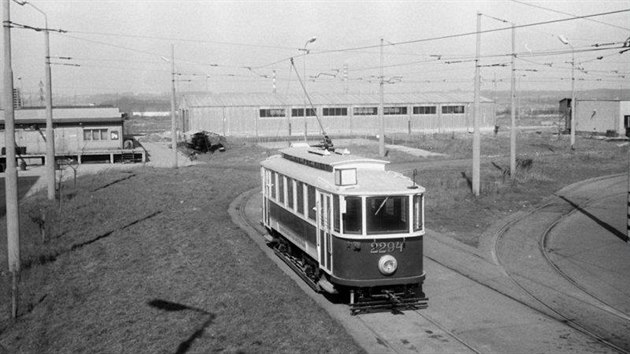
x=148, y=261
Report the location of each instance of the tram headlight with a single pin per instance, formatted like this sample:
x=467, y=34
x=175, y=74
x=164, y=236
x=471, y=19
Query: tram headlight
x=387, y=264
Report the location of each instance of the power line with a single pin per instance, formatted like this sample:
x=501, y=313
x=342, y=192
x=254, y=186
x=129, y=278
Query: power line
x=173, y=39
x=473, y=33
x=569, y=14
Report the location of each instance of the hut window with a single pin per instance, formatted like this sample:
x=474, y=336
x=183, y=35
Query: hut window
x=272, y=112
x=114, y=135
x=95, y=134
x=424, y=110
x=395, y=110
x=458, y=109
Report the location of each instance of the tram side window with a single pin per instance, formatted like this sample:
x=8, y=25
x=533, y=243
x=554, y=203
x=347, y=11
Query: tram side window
x=310, y=193
x=299, y=193
x=336, y=214
x=352, y=218
x=273, y=185
x=387, y=214
x=281, y=188
x=290, y=192
x=417, y=212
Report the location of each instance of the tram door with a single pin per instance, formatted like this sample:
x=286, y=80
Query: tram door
x=324, y=237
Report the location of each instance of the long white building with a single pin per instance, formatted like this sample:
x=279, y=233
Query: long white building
x=270, y=115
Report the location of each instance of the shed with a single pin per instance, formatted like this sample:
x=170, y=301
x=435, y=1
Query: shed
x=79, y=131
x=269, y=114
x=610, y=117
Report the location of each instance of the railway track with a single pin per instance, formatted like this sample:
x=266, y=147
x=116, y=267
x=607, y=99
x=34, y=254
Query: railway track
x=422, y=330
x=594, y=311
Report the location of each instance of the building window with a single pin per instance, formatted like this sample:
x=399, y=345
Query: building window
x=335, y=111
x=424, y=110
x=454, y=109
x=395, y=110
x=94, y=134
x=299, y=112
x=114, y=135
x=365, y=111
x=272, y=112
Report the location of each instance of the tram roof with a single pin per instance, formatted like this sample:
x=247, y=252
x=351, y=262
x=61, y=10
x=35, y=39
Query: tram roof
x=327, y=160
x=371, y=176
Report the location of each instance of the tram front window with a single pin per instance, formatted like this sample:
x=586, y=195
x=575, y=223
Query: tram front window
x=387, y=214
x=352, y=219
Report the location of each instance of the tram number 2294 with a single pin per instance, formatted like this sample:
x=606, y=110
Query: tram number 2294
x=386, y=247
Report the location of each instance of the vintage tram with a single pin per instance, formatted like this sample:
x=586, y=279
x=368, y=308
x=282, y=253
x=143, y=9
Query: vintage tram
x=346, y=225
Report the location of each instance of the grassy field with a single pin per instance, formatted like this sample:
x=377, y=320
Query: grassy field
x=148, y=260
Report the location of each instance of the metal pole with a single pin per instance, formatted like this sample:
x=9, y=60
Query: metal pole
x=50, y=132
x=476, y=136
x=305, y=105
x=173, y=119
x=573, y=117
x=11, y=179
x=381, y=137
x=513, y=113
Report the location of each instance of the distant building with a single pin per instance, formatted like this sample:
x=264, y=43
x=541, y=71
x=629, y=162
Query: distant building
x=597, y=116
x=268, y=114
x=82, y=133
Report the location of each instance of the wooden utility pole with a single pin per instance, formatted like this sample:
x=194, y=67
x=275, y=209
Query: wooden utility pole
x=10, y=173
x=476, y=135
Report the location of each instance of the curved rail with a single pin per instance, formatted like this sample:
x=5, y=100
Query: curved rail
x=566, y=319
x=543, y=250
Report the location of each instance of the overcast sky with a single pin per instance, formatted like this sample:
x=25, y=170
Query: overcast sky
x=235, y=46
